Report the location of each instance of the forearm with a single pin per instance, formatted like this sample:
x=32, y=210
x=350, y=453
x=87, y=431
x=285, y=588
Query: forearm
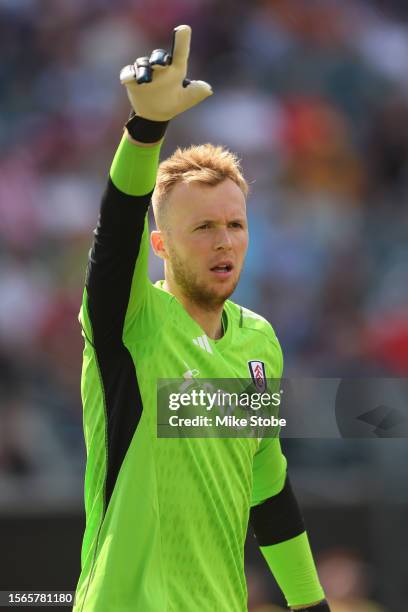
x=134, y=167
x=281, y=535
x=293, y=567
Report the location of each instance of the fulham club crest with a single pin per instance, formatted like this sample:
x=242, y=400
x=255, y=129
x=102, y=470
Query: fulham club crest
x=257, y=370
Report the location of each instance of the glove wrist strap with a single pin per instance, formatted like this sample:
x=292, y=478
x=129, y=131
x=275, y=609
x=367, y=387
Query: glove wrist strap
x=145, y=130
x=323, y=606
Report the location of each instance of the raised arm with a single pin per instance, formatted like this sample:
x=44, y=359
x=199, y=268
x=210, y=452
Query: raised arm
x=117, y=282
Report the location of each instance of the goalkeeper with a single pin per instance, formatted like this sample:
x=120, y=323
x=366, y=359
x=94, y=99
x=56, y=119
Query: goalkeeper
x=166, y=519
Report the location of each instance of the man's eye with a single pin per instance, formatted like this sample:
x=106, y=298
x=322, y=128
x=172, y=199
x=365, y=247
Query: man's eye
x=204, y=226
x=236, y=224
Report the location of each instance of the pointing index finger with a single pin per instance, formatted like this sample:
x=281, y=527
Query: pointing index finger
x=181, y=46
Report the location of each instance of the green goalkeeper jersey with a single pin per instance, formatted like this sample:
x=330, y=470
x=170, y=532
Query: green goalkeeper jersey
x=166, y=519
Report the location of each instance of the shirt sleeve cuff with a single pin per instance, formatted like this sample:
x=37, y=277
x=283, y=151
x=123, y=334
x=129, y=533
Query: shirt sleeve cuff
x=293, y=567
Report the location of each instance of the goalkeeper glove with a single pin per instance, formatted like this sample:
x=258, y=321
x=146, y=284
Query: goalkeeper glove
x=157, y=86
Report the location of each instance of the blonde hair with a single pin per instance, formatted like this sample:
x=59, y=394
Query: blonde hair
x=205, y=164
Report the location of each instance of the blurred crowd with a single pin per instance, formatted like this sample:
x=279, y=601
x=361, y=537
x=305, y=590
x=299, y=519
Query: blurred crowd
x=314, y=99
x=313, y=96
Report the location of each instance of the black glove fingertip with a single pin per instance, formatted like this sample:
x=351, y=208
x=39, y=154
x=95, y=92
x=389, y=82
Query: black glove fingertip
x=143, y=70
x=159, y=57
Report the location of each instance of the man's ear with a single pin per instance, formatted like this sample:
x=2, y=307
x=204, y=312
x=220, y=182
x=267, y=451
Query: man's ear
x=157, y=242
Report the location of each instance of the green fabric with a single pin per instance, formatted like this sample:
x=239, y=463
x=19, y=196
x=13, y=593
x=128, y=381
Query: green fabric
x=293, y=567
x=172, y=539
x=266, y=460
x=134, y=168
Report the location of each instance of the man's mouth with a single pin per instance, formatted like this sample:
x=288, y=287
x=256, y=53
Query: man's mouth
x=223, y=269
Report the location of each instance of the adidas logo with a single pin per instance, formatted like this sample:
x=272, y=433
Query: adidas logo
x=202, y=342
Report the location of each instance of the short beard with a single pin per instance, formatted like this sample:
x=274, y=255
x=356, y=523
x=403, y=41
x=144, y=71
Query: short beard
x=203, y=297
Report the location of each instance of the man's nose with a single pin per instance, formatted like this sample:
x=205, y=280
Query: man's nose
x=223, y=240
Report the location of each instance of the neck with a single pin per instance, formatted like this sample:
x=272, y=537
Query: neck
x=209, y=319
